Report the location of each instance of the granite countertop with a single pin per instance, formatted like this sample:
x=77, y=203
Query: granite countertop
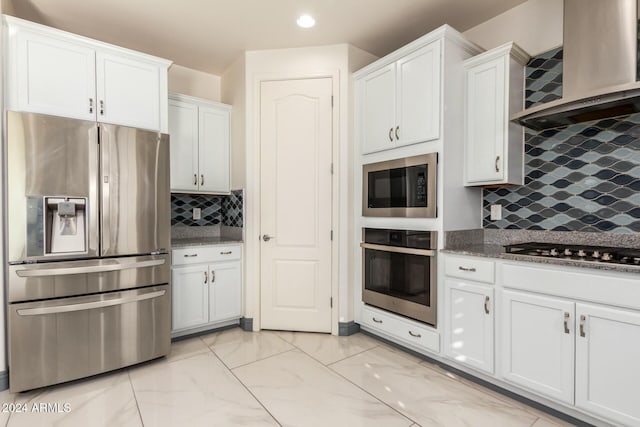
x=497, y=251
x=184, y=242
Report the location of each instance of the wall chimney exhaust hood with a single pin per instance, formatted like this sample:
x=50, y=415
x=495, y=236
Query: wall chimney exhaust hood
x=600, y=66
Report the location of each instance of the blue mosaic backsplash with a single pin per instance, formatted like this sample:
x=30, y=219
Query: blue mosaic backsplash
x=216, y=210
x=585, y=177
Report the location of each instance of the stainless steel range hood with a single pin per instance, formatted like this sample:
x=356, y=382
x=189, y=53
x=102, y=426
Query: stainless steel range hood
x=600, y=65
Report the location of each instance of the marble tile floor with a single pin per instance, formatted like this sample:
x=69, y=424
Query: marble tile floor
x=237, y=378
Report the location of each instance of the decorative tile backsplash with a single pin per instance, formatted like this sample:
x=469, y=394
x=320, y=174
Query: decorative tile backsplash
x=216, y=210
x=585, y=177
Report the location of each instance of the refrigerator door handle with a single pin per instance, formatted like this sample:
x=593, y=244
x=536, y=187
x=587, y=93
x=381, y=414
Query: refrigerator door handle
x=39, y=311
x=63, y=271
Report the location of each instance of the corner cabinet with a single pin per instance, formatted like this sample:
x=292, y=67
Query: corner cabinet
x=206, y=287
x=200, y=145
x=58, y=73
x=399, y=103
x=494, y=88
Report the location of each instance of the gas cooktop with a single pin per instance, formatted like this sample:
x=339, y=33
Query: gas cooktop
x=604, y=254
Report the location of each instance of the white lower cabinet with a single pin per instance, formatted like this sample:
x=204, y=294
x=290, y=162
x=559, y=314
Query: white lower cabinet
x=607, y=363
x=399, y=329
x=469, y=323
x=207, y=287
x=538, y=343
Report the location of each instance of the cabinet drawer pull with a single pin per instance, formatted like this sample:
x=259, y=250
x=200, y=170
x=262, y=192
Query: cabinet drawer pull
x=190, y=255
x=376, y=320
x=226, y=253
x=566, y=323
x=415, y=335
x=397, y=135
x=486, y=304
x=195, y=179
x=101, y=108
x=583, y=319
x=497, y=163
x=206, y=277
x=90, y=105
x=391, y=135
x=469, y=269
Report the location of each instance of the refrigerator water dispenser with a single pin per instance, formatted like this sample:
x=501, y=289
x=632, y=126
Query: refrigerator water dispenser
x=66, y=225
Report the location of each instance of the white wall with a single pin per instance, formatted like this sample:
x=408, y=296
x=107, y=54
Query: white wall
x=233, y=92
x=3, y=361
x=299, y=63
x=535, y=25
x=193, y=82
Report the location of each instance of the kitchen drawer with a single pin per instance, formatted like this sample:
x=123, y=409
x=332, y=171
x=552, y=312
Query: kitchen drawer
x=404, y=331
x=206, y=254
x=469, y=268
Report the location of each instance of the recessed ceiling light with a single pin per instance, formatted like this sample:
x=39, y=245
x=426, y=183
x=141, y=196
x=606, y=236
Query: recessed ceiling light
x=306, y=21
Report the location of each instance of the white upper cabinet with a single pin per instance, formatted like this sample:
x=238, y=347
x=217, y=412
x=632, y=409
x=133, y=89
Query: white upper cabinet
x=200, y=145
x=53, y=72
x=399, y=103
x=128, y=91
x=494, y=87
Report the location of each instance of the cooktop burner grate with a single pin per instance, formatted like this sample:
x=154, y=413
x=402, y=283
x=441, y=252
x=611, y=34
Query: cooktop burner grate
x=606, y=254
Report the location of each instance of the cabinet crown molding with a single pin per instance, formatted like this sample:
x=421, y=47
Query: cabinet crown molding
x=445, y=32
x=513, y=50
x=200, y=101
x=13, y=22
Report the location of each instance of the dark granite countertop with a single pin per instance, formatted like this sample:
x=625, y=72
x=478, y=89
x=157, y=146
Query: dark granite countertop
x=184, y=242
x=497, y=251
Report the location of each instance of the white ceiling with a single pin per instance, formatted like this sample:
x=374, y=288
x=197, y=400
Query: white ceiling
x=208, y=35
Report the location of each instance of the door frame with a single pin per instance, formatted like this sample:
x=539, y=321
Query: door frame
x=254, y=191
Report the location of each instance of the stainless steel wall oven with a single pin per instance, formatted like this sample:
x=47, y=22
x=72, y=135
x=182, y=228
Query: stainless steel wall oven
x=399, y=272
x=401, y=187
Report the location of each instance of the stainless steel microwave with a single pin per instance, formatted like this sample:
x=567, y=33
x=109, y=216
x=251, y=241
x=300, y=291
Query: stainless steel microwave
x=400, y=188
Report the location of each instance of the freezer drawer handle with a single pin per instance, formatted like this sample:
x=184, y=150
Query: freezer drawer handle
x=62, y=271
x=226, y=253
x=87, y=305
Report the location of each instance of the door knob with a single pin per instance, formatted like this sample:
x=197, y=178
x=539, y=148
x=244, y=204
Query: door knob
x=266, y=237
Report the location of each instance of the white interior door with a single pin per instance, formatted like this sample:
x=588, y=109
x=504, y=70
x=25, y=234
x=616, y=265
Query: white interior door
x=296, y=144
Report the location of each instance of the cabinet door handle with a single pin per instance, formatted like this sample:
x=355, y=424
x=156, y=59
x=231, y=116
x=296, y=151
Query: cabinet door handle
x=583, y=319
x=376, y=320
x=90, y=105
x=213, y=277
x=202, y=179
x=195, y=179
x=469, y=269
x=415, y=335
x=566, y=323
x=226, y=253
x=497, y=163
x=391, y=134
x=397, y=135
x=206, y=277
x=190, y=255
x=101, y=107
x=486, y=304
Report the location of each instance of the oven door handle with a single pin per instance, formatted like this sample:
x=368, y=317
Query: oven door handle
x=397, y=249
x=101, y=268
x=39, y=311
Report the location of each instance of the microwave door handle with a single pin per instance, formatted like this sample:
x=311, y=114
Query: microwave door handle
x=398, y=249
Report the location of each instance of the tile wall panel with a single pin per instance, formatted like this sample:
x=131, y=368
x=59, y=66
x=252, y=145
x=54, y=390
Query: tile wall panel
x=585, y=177
x=216, y=210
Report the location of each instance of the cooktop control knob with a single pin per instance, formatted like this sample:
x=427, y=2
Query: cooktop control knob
x=567, y=252
x=553, y=252
x=582, y=253
x=596, y=254
x=606, y=256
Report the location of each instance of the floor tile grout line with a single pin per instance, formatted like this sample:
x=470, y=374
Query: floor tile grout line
x=135, y=397
x=372, y=395
x=247, y=388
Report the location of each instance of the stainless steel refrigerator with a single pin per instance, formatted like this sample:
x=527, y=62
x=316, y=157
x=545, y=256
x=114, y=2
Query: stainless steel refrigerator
x=88, y=233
